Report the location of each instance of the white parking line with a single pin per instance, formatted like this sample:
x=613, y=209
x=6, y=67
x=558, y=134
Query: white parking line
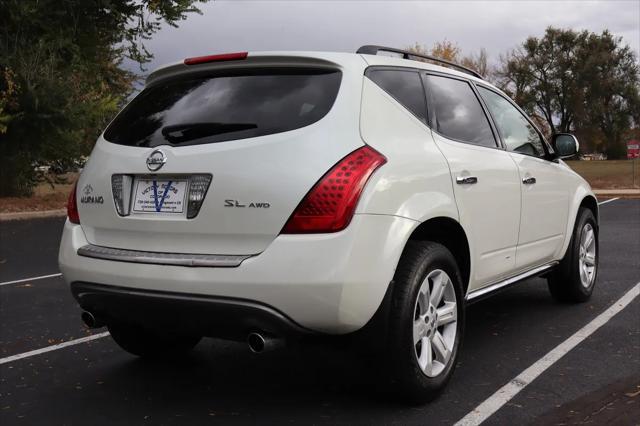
x=24, y=280
x=608, y=201
x=483, y=411
x=53, y=347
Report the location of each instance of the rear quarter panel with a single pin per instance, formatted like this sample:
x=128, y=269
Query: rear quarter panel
x=415, y=182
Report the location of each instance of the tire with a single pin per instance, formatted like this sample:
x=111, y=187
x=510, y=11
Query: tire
x=574, y=279
x=413, y=374
x=148, y=343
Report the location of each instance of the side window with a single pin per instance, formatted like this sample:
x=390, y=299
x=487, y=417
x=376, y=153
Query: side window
x=516, y=131
x=404, y=86
x=458, y=112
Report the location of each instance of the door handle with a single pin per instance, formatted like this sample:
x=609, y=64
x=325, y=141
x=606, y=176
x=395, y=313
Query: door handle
x=466, y=180
x=529, y=180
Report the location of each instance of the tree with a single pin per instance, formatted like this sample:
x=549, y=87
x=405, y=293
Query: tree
x=478, y=62
x=542, y=72
x=60, y=76
x=578, y=82
x=446, y=50
x=450, y=51
x=608, y=80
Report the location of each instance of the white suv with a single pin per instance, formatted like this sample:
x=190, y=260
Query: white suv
x=267, y=196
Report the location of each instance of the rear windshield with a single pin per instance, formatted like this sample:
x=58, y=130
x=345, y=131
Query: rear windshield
x=223, y=107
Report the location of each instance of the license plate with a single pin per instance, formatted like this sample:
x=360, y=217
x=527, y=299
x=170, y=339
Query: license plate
x=160, y=195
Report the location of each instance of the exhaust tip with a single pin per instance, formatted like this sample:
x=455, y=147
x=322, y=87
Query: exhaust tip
x=90, y=320
x=256, y=342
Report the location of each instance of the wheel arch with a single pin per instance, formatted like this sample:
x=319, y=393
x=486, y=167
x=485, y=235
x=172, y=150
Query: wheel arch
x=449, y=233
x=583, y=198
x=590, y=202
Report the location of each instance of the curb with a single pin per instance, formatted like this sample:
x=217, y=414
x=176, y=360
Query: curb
x=617, y=193
x=629, y=191
x=5, y=217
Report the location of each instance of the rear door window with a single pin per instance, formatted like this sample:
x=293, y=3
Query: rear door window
x=458, y=113
x=216, y=108
x=405, y=86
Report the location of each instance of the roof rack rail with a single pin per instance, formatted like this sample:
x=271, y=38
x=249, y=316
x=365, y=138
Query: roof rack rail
x=373, y=50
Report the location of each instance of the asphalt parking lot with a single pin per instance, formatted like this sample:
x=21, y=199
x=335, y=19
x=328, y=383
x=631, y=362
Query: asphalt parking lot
x=596, y=382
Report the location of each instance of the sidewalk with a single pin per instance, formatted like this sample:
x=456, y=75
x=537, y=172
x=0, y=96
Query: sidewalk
x=624, y=193
x=32, y=214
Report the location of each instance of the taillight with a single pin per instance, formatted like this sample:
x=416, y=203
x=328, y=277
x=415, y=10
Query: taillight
x=72, y=206
x=216, y=58
x=330, y=204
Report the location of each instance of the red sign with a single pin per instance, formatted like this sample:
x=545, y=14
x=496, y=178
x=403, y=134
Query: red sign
x=633, y=149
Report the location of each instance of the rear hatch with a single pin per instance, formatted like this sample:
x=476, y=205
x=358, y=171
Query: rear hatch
x=213, y=158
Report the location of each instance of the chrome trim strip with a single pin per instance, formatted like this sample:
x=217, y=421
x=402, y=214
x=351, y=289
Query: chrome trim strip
x=509, y=281
x=174, y=259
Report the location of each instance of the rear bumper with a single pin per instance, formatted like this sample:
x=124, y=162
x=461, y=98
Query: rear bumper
x=202, y=315
x=329, y=283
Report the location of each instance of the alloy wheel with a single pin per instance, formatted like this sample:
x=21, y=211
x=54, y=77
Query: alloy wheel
x=587, y=256
x=435, y=323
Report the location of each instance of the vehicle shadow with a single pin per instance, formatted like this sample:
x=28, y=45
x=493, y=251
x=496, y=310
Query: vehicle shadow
x=225, y=381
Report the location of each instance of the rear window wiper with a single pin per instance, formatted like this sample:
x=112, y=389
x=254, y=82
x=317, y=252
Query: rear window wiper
x=178, y=133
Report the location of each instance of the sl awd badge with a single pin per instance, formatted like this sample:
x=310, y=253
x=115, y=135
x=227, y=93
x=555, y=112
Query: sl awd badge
x=252, y=205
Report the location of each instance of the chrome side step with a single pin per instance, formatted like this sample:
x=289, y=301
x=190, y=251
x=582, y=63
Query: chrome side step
x=174, y=259
x=485, y=291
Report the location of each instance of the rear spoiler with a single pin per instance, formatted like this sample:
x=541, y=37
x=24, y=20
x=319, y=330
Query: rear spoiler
x=240, y=60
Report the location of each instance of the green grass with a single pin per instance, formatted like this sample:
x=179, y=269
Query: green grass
x=613, y=174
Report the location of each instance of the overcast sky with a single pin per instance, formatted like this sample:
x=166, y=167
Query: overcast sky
x=336, y=25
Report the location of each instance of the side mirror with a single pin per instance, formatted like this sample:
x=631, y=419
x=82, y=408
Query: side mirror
x=565, y=144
